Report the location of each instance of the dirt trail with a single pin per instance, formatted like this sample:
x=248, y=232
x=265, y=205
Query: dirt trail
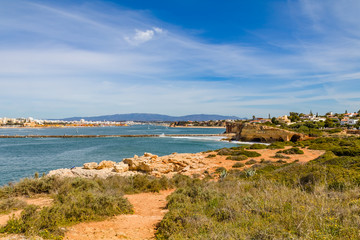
x=148, y=211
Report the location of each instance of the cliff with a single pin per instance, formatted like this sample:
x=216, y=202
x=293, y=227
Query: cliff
x=261, y=133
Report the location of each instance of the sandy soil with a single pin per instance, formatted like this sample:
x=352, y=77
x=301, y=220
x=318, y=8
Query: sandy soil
x=149, y=209
x=266, y=154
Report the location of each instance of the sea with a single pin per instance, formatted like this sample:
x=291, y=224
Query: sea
x=22, y=157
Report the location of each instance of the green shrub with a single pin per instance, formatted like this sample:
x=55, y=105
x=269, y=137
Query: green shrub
x=279, y=145
x=237, y=158
x=279, y=155
x=258, y=146
x=9, y=204
x=211, y=156
x=237, y=151
x=238, y=165
x=294, y=150
x=220, y=170
x=251, y=161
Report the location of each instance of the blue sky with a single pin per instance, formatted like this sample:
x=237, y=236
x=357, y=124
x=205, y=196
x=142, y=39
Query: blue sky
x=83, y=58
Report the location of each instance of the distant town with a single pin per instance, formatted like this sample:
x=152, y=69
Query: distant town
x=31, y=122
x=296, y=121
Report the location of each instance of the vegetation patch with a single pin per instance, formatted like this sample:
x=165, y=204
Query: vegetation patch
x=315, y=200
x=251, y=161
x=293, y=150
x=279, y=145
x=279, y=155
x=75, y=200
x=10, y=204
x=238, y=165
x=237, y=158
x=258, y=146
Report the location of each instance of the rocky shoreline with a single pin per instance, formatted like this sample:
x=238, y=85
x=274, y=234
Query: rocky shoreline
x=169, y=165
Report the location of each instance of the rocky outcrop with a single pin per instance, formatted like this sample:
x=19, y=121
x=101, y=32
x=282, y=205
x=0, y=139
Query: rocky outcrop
x=166, y=165
x=151, y=164
x=90, y=165
x=106, y=164
x=261, y=133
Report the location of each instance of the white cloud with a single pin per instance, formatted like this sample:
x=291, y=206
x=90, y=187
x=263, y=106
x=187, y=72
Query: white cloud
x=143, y=36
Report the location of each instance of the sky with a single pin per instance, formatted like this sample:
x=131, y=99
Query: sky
x=235, y=57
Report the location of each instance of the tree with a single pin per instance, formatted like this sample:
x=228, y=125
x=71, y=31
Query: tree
x=311, y=114
x=329, y=123
x=294, y=117
x=346, y=111
x=275, y=121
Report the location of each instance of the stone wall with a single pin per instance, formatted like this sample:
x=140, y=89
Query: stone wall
x=261, y=133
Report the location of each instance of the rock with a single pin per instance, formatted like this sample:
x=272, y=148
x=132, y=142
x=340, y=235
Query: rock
x=147, y=154
x=121, y=167
x=145, y=167
x=132, y=162
x=106, y=164
x=261, y=133
x=148, y=163
x=90, y=165
x=90, y=173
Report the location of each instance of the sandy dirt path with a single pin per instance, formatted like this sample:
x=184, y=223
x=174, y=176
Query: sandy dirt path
x=149, y=209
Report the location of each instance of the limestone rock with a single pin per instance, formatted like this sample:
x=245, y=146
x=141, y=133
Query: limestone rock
x=106, y=164
x=151, y=164
x=147, y=154
x=121, y=167
x=90, y=165
x=261, y=133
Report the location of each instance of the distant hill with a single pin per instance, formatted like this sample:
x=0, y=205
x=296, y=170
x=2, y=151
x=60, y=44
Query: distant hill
x=148, y=117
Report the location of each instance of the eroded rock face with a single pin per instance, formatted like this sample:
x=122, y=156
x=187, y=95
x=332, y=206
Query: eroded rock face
x=261, y=133
x=90, y=165
x=121, y=167
x=106, y=164
x=154, y=165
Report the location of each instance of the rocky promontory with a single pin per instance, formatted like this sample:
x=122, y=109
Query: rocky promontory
x=261, y=133
x=169, y=165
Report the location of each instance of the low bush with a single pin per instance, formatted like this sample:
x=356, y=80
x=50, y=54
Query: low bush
x=220, y=170
x=211, y=156
x=258, y=146
x=9, y=204
x=237, y=158
x=237, y=151
x=251, y=161
x=238, y=165
x=279, y=155
x=294, y=150
x=279, y=145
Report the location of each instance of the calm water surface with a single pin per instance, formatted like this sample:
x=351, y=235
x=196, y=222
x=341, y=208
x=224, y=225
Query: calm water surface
x=23, y=157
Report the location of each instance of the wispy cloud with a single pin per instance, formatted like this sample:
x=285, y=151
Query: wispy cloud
x=118, y=60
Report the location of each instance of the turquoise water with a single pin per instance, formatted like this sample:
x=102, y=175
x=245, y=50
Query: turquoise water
x=23, y=157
